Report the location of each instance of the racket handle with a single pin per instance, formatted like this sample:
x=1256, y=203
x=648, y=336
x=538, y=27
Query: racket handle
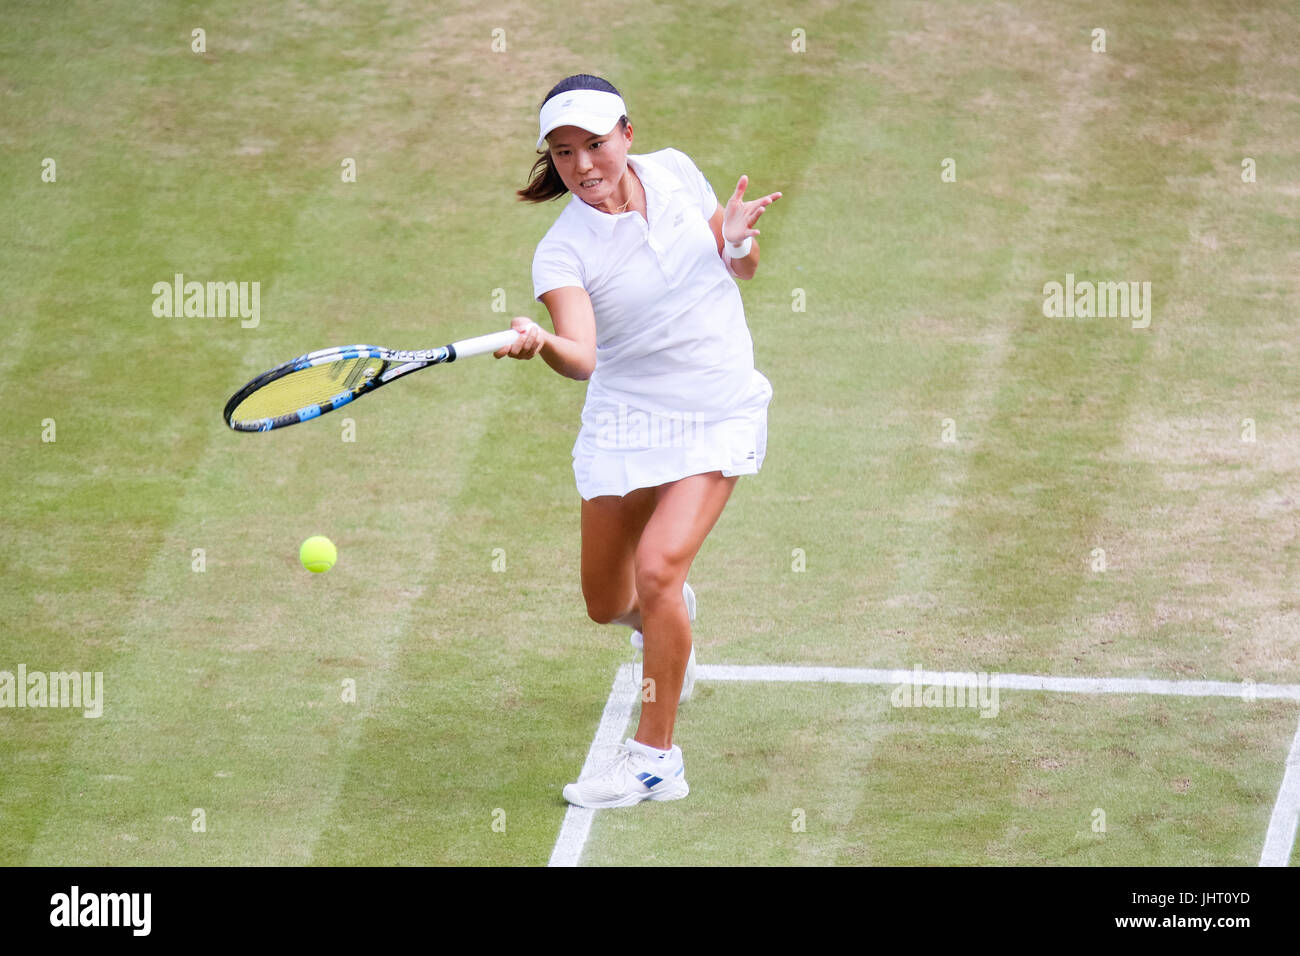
x=485, y=343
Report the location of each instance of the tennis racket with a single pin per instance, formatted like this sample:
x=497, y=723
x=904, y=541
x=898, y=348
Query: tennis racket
x=319, y=382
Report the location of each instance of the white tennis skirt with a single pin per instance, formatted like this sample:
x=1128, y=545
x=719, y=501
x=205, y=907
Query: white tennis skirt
x=620, y=449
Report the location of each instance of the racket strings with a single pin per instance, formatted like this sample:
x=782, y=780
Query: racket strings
x=310, y=386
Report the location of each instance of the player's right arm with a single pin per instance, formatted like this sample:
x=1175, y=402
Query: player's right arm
x=571, y=349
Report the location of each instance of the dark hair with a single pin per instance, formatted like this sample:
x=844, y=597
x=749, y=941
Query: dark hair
x=544, y=181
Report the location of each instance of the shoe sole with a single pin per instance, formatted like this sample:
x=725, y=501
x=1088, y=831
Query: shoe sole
x=688, y=680
x=632, y=799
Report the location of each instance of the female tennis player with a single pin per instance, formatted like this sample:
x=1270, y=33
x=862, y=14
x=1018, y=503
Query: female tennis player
x=637, y=276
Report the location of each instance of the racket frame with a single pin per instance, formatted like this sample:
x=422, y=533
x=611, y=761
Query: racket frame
x=397, y=362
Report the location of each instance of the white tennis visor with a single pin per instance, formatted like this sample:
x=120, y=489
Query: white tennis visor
x=593, y=110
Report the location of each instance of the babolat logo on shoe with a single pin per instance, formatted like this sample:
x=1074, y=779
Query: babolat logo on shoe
x=649, y=780
x=102, y=909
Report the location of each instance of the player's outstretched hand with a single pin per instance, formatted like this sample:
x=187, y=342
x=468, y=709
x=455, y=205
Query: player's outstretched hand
x=739, y=217
x=531, y=339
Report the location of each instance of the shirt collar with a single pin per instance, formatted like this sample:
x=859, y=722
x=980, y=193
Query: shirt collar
x=603, y=223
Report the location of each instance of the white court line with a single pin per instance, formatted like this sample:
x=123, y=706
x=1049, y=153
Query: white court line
x=618, y=711
x=1282, y=824
x=1067, y=685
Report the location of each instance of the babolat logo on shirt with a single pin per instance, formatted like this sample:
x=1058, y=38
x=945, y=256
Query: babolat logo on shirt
x=102, y=909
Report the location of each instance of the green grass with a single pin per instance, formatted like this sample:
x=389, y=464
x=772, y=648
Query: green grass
x=832, y=774
x=479, y=691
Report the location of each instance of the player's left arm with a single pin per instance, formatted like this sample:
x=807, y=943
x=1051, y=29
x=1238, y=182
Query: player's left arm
x=736, y=224
x=716, y=225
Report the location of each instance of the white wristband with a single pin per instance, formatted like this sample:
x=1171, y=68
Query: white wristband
x=740, y=251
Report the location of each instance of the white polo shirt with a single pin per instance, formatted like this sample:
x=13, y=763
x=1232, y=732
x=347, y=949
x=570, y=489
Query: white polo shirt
x=670, y=325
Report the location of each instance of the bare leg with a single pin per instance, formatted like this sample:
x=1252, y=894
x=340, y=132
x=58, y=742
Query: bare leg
x=685, y=511
x=611, y=528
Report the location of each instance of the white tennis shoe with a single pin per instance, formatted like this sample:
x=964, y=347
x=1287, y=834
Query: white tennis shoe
x=633, y=776
x=688, y=681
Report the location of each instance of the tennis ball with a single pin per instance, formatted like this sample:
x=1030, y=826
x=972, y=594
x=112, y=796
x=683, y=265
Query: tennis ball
x=318, y=554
